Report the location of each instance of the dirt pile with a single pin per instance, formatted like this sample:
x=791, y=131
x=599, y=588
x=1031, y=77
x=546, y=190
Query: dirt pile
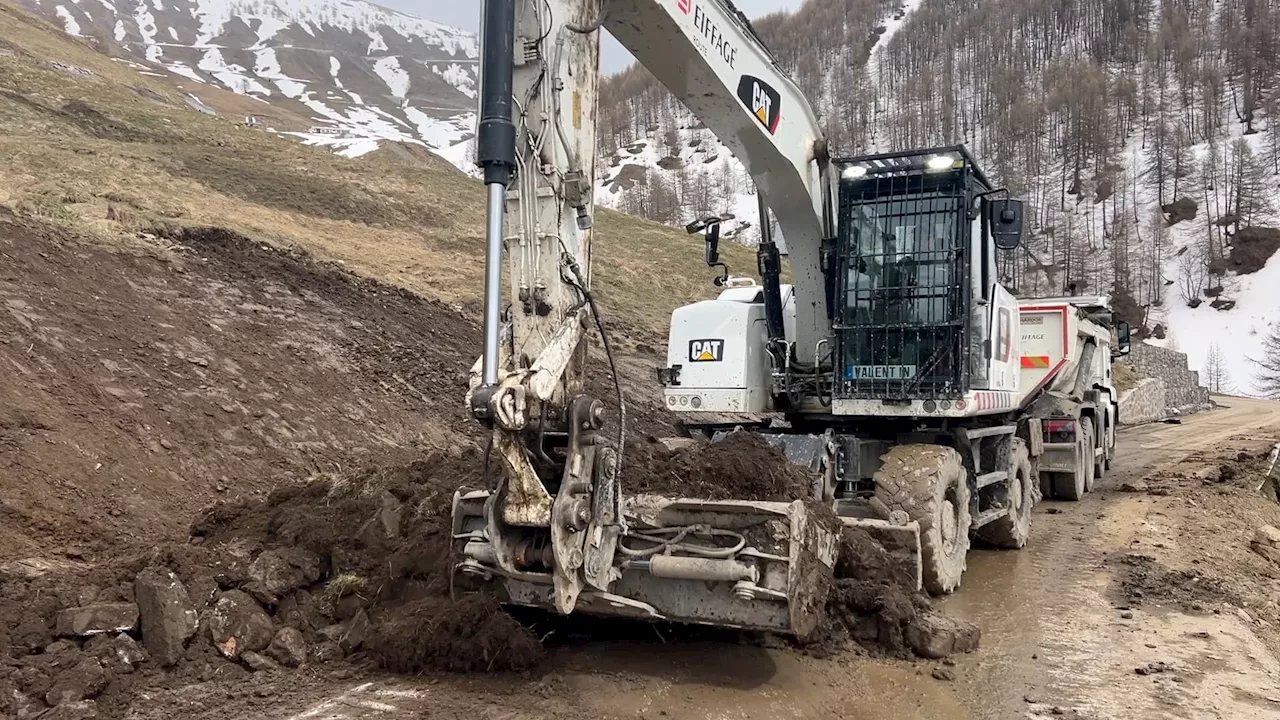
x=348, y=568
x=873, y=603
x=741, y=466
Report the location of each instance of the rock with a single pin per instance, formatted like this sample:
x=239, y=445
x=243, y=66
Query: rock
x=332, y=633
x=24, y=706
x=1153, y=668
x=1266, y=542
x=389, y=515
x=32, y=568
x=1130, y=487
x=278, y=572
x=942, y=673
x=357, y=631
x=1127, y=615
x=288, y=647
x=237, y=623
x=936, y=636
x=60, y=646
x=1213, y=473
x=328, y=651
x=256, y=662
x=85, y=680
x=83, y=710
x=167, y=617
x=127, y=651
x=1053, y=511
x=96, y=619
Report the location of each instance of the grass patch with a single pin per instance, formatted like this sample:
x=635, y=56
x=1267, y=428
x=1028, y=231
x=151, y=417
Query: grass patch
x=74, y=146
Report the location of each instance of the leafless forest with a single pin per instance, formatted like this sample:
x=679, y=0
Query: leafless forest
x=1138, y=131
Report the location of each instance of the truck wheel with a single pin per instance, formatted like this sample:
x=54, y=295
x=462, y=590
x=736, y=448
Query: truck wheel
x=930, y=485
x=1090, y=462
x=1099, y=463
x=1013, y=530
x=1073, y=486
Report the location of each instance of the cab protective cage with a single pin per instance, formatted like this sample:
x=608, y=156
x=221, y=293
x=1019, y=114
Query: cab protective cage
x=905, y=249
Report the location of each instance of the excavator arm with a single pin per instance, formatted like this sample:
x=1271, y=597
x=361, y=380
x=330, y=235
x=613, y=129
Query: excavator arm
x=552, y=528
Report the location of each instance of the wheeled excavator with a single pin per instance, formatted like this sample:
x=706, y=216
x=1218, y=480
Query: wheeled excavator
x=889, y=364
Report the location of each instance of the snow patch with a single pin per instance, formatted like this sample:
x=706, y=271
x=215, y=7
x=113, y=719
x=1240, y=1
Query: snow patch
x=334, y=68
x=377, y=43
x=72, y=27
x=267, y=28
x=388, y=68
x=147, y=27
x=120, y=33
x=441, y=132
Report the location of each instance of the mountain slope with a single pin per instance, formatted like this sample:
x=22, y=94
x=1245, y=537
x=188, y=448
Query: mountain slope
x=357, y=72
x=119, y=155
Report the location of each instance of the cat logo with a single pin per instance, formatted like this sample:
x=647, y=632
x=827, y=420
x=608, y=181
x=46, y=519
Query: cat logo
x=762, y=100
x=706, y=350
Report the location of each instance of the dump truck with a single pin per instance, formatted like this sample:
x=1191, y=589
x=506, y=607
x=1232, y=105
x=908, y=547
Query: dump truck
x=1068, y=346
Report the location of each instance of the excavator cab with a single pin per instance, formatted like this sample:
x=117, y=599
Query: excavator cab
x=916, y=240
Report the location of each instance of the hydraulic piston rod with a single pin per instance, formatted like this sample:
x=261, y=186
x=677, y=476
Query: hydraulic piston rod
x=496, y=155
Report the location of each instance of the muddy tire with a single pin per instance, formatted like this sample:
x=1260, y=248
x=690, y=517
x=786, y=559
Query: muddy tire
x=1099, y=462
x=1013, y=530
x=1073, y=486
x=1089, y=461
x=929, y=484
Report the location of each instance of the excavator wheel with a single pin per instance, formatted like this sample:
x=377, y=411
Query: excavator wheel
x=1013, y=530
x=929, y=484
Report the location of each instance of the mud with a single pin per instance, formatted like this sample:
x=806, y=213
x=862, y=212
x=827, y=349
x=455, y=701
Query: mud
x=741, y=466
x=472, y=635
x=357, y=564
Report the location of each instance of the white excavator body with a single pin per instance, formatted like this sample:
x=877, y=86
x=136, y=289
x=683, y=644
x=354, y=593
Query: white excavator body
x=891, y=356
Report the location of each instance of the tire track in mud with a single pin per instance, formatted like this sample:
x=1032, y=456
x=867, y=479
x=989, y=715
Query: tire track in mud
x=1053, y=640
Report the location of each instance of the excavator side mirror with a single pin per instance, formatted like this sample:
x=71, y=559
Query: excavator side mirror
x=1005, y=217
x=1122, y=339
x=713, y=245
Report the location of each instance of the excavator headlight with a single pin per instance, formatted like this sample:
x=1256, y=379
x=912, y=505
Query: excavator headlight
x=853, y=172
x=941, y=162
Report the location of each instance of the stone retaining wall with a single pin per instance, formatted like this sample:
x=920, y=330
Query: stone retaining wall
x=1183, y=391
x=1148, y=402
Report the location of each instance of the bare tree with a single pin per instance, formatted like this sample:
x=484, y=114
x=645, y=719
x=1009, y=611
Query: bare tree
x=1216, y=376
x=1267, y=374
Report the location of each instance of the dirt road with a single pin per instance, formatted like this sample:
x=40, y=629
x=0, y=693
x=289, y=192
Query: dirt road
x=1151, y=577
x=213, y=368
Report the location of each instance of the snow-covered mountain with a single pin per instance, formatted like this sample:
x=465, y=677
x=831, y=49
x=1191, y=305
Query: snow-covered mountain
x=362, y=73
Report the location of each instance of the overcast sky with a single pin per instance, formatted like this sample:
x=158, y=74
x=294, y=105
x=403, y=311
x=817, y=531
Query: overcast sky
x=465, y=14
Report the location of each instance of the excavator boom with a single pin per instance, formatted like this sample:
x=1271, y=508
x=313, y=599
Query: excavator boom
x=553, y=528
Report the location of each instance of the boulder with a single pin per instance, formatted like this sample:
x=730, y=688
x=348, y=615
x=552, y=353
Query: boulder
x=96, y=619
x=238, y=623
x=288, y=647
x=168, y=620
x=357, y=631
x=85, y=680
x=1266, y=542
x=119, y=654
x=23, y=706
x=82, y=710
x=257, y=662
x=937, y=636
x=278, y=572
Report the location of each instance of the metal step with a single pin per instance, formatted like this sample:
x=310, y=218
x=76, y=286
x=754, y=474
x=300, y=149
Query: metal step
x=992, y=478
x=988, y=517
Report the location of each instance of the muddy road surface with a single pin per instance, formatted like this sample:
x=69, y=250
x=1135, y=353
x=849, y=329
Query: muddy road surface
x=1142, y=601
x=208, y=367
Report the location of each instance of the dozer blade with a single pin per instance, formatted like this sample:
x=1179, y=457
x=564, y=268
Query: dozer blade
x=748, y=565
